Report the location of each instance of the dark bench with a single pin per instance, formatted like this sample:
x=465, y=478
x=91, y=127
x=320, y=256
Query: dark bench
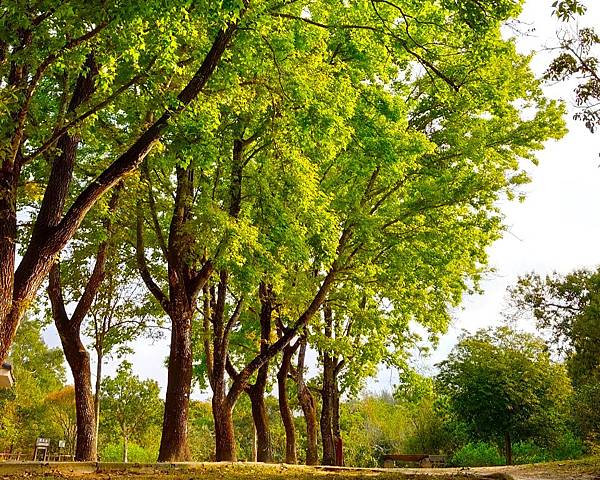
x=423, y=460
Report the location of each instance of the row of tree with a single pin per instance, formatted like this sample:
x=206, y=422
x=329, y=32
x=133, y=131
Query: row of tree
x=283, y=178
x=497, y=386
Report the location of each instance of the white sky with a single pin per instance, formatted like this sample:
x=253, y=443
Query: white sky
x=556, y=228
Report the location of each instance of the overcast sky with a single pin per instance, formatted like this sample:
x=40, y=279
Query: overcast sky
x=556, y=228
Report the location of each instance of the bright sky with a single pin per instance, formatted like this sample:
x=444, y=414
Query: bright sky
x=556, y=228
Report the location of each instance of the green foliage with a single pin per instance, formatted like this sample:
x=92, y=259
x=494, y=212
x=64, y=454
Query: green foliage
x=113, y=452
x=132, y=408
x=39, y=372
x=578, y=60
x=568, y=307
x=503, y=381
x=477, y=454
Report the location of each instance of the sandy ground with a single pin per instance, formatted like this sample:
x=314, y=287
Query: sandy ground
x=587, y=469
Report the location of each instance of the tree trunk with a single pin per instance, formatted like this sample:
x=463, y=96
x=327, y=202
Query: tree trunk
x=327, y=419
x=284, y=406
x=174, y=441
x=260, y=418
x=125, y=449
x=309, y=409
x=328, y=396
x=225, y=448
x=79, y=363
x=100, y=359
x=508, y=448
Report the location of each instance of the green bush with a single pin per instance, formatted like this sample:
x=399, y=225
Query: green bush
x=113, y=452
x=568, y=447
x=478, y=454
x=529, y=452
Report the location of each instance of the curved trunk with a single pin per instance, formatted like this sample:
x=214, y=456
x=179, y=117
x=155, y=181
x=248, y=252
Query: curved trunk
x=284, y=406
x=309, y=409
x=261, y=424
x=174, y=440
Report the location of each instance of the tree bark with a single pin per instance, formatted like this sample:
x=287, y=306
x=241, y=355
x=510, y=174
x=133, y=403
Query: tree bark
x=327, y=396
x=508, y=448
x=309, y=409
x=125, y=449
x=287, y=418
x=260, y=418
x=257, y=391
x=174, y=440
x=225, y=447
x=99, y=359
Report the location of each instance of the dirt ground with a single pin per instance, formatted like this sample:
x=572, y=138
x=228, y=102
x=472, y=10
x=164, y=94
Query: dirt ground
x=587, y=469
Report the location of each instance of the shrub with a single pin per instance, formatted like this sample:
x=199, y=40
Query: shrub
x=529, y=452
x=478, y=454
x=113, y=452
x=568, y=447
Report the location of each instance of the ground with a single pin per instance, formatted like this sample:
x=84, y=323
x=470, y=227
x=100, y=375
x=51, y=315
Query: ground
x=587, y=469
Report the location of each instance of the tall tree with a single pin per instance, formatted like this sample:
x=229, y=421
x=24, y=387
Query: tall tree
x=77, y=51
x=69, y=329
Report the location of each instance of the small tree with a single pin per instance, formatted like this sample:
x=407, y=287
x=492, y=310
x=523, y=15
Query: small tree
x=503, y=384
x=131, y=405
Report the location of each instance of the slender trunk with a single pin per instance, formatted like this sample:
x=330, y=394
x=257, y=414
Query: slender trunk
x=174, y=440
x=100, y=359
x=327, y=418
x=125, y=449
x=335, y=421
x=79, y=363
x=309, y=409
x=508, y=448
x=257, y=391
x=284, y=406
x=327, y=397
x=260, y=418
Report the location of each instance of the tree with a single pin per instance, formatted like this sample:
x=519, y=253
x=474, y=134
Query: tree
x=568, y=307
x=99, y=60
x=131, y=404
x=39, y=371
x=504, y=385
x=69, y=328
x=62, y=409
x=578, y=60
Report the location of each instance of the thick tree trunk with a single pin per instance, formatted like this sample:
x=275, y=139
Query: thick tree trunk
x=508, y=448
x=174, y=441
x=284, y=406
x=225, y=447
x=260, y=418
